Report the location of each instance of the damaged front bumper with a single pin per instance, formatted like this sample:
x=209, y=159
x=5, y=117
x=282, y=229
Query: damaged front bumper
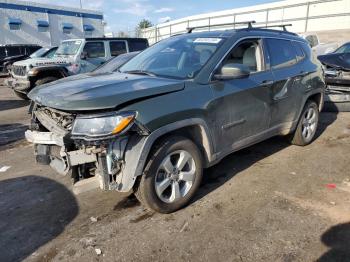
x=116, y=162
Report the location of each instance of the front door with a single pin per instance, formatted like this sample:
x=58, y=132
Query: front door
x=242, y=105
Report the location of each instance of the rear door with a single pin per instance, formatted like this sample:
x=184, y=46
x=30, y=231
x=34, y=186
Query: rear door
x=288, y=76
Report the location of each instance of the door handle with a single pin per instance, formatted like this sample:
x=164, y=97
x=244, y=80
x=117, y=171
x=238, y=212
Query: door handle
x=266, y=82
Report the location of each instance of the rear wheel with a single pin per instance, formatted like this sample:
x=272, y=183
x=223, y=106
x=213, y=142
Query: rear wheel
x=21, y=95
x=171, y=177
x=45, y=80
x=307, y=125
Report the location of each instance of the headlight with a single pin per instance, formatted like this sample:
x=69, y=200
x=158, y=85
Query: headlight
x=103, y=125
x=33, y=72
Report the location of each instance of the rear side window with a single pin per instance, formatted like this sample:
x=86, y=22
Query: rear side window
x=282, y=53
x=136, y=45
x=299, y=51
x=95, y=49
x=117, y=47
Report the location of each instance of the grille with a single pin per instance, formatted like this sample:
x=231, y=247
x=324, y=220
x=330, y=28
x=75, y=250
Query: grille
x=19, y=70
x=56, y=121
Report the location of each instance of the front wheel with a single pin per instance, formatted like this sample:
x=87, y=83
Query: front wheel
x=171, y=177
x=307, y=125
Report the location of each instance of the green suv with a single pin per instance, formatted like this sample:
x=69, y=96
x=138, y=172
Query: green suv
x=176, y=108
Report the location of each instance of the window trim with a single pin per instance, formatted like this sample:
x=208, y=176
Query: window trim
x=126, y=45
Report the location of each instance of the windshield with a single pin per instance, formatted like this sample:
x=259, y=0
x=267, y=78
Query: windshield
x=176, y=57
x=113, y=64
x=68, y=48
x=39, y=53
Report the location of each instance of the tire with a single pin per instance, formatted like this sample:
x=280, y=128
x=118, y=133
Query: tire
x=45, y=80
x=21, y=95
x=307, y=125
x=156, y=188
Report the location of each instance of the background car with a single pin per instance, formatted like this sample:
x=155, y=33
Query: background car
x=73, y=56
x=14, y=53
x=337, y=74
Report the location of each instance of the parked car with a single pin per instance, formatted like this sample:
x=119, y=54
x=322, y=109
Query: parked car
x=12, y=53
x=107, y=68
x=179, y=106
x=44, y=52
x=317, y=46
x=72, y=57
x=337, y=72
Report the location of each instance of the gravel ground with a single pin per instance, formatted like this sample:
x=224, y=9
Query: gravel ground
x=269, y=202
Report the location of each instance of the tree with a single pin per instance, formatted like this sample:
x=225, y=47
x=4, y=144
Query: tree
x=144, y=23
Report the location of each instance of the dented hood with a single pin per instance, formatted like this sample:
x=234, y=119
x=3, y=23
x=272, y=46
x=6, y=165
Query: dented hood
x=341, y=61
x=104, y=91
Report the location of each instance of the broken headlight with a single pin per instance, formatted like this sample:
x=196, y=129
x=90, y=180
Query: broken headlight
x=102, y=125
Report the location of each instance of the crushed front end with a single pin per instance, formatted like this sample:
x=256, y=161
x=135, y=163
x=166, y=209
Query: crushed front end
x=92, y=148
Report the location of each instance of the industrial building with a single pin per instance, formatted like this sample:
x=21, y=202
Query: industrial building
x=23, y=22
x=329, y=19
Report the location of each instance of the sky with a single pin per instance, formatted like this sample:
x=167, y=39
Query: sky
x=124, y=15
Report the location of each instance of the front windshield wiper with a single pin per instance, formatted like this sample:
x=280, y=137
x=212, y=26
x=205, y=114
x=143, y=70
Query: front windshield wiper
x=140, y=72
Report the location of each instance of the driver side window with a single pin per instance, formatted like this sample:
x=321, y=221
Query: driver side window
x=247, y=53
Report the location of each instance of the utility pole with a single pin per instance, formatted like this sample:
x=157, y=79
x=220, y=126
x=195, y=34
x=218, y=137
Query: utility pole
x=81, y=6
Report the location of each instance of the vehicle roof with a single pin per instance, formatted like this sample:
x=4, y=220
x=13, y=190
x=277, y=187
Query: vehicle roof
x=106, y=39
x=249, y=31
x=9, y=45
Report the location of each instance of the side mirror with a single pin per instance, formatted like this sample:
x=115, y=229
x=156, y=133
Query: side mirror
x=233, y=71
x=84, y=55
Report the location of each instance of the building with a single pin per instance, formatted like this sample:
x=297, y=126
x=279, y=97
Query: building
x=23, y=22
x=330, y=19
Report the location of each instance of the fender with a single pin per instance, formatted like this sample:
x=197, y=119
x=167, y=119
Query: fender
x=139, y=147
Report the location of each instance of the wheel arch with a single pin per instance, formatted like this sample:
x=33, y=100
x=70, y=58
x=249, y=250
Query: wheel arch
x=50, y=72
x=139, y=148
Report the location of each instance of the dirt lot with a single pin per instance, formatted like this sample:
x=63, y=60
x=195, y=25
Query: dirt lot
x=270, y=202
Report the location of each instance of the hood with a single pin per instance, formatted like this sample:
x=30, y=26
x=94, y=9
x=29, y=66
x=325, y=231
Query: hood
x=336, y=60
x=43, y=61
x=14, y=57
x=105, y=91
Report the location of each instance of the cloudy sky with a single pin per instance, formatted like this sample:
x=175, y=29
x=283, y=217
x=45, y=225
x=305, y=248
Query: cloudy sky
x=124, y=15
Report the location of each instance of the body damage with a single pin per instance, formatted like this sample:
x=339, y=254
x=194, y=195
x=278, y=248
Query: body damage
x=208, y=111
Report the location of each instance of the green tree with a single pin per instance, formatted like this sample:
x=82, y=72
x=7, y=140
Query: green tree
x=144, y=23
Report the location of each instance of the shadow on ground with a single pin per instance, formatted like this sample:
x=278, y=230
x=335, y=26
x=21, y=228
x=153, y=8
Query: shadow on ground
x=233, y=164
x=11, y=133
x=12, y=104
x=33, y=217
x=337, y=238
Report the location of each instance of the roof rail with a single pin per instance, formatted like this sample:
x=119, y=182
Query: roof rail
x=248, y=23
x=271, y=26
